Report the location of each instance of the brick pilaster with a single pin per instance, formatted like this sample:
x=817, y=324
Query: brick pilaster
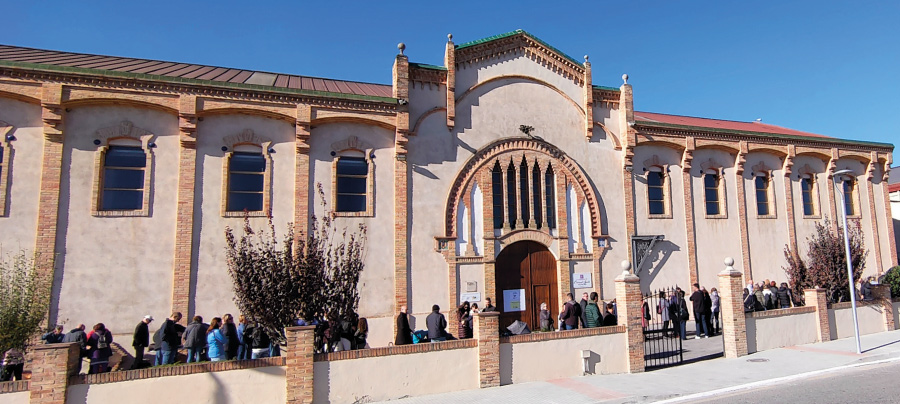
x=184, y=224
x=450, y=64
x=689, y=223
x=51, y=175
x=51, y=367
x=734, y=321
x=626, y=118
x=892, y=243
x=588, y=99
x=789, y=199
x=400, y=88
x=299, y=361
x=742, y=212
x=882, y=294
x=879, y=265
x=832, y=201
x=487, y=332
x=302, y=187
x=816, y=298
x=629, y=301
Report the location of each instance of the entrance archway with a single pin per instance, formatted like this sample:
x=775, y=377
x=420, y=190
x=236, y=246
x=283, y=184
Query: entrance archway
x=529, y=268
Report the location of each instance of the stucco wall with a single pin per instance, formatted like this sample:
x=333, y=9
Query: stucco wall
x=806, y=226
x=841, y=320
x=24, y=183
x=780, y=331
x=545, y=360
x=768, y=234
x=259, y=385
x=712, y=248
x=365, y=380
x=106, y=261
x=22, y=397
x=896, y=313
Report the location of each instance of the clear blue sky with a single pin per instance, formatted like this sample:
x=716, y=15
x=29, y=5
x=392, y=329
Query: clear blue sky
x=826, y=67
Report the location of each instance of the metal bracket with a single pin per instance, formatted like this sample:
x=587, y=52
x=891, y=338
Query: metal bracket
x=642, y=246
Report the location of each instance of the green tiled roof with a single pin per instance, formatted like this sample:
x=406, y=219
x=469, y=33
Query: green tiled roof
x=427, y=66
x=606, y=88
x=513, y=33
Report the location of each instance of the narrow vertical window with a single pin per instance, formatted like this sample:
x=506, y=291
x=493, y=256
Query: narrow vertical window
x=4, y=172
x=762, y=196
x=352, y=184
x=807, y=192
x=536, y=195
x=511, y=194
x=655, y=193
x=849, y=188
x=246, y=182
x=550, y=186
x=523, y=192
x=123, y=178
x=497, y=195
x=711, y=192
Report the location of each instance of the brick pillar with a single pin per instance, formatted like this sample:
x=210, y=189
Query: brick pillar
x=734, y=321
x=51, y=367
x=816, y=298
x=299, y=361
x=51, y=178
x=629, y=300
x=487, y=332
x=184, y=223
x=882, y=294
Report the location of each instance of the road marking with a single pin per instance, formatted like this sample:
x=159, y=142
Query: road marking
x=820, y=350
x=770, y=382
x=588, y=390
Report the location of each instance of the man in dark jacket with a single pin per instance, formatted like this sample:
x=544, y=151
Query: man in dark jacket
x=169, y=339
x=404, y=333
x=609, y=319
x=195, y=339
x=784, y=296
x=437, y=325
x=55, y=335
x=141, y=341
x=699, y=322
x=488, y=307
x=78, y=335
x=570, y=313
x=582, y=305
x=258, y=340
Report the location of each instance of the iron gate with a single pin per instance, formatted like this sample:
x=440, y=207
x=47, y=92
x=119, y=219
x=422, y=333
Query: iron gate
x=662, y=345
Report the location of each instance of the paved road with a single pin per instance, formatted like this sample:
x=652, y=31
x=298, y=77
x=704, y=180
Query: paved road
x=865, y=384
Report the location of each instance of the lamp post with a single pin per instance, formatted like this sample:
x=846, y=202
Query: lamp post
x=849, y=262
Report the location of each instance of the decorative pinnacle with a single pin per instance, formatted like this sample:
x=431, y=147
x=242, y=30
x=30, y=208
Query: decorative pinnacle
x=585, y=58
x=449, y=37
x=401, y=46
x=625, y=78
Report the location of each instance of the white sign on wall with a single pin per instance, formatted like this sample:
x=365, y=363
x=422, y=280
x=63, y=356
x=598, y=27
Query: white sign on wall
x=470, y=297
x=514, y=300
x=581, y=281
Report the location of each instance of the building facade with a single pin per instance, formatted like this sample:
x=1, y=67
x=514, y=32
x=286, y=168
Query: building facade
x=503, y=173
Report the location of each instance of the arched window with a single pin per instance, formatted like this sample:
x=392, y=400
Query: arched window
x=523, y=193
x=656, y=195
x=497, y=195
x=352, y=184
x=809, y=195
x=711, y=192
x=550, y=186
x=246, y=180
x=122, y=183
x=849, y=187
x=763, y=207
x=511, y=194
x=536, y=195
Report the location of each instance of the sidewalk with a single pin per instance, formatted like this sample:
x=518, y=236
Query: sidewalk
x=679, y=381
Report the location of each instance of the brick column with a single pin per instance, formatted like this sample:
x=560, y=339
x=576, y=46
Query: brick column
x=734, y=321
x=816, y=298
x=629, y=300
x=51, y=177
x=302, y=185
x=882, y=294
x=184, y=223
x=487, y=332
x=299, y=361
x=51, y=367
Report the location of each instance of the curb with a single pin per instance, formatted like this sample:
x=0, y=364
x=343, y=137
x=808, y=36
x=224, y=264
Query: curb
x=770, y=382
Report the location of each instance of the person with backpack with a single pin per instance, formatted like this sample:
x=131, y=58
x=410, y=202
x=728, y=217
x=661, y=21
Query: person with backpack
x=98, y=345
x=140, y=341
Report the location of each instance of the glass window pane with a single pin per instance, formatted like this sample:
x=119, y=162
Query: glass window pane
x=239, y=202
x=656, y=208
x=712, y=208
x=122, y=200
x=351, y=185
x=807, y=209
x=351, y=203
x=352, y=166
x=125, y=156
x=1, y=154
x=762, y=209
x=762, y=196
x=497, y=195
x=246, y=182
x=128, y=179
x=712, y=195
x=654, y=179
x=247, y=162
x=655, y=193
x=710, y=181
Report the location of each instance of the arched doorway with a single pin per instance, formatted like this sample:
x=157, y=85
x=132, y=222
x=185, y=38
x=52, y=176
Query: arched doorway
x=530, y=268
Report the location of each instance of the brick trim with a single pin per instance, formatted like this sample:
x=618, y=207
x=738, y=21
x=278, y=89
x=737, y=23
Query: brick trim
x=396, y=350
x=5, y=163
x=180, y=370
x=742, y=214
x=734, y=320
x=554, y=335
x=51, y=176
x=14, y=387
x=689, y=225
x=781, y=312
x=816, y=298
x=873, y=219
x=892, y=243
x=124, y=130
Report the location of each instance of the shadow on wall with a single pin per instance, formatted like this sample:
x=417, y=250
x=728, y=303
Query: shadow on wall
x=506, y=364
x=656, y=262
x=751, y=335
x=62, y=230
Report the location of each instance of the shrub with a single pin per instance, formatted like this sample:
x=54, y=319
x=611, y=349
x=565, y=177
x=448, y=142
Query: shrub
x=24, y=300
x=892, y=279
x=826, y=263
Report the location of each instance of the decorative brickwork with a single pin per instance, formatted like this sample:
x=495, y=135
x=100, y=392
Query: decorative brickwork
x=180, y=370
x=450, y=64
x=789, y=201
x=689, y=225
x=874, y=220
x=51, y=367
x=553, y=335
x=302, y=187
x=299, y=361
x=781, y=312
x=742, y=213
x=629, y=301
x=51, y=174
x=891, y=240
x=5, y=155
x=14, y=387
x=396, y=350
x=487, y=333
x=882, y=295
x=400, y=77
x=184, y=225
x=816, y=298
x=734, y=322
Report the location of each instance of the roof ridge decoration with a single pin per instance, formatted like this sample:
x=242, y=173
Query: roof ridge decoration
x=516, y=42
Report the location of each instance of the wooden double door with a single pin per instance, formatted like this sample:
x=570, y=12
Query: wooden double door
x=530, y=269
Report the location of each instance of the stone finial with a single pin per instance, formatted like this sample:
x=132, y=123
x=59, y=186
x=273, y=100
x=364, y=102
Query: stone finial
x=626, y=267
x=729, y=268
x=585, y=58
x=625, y=78
x=729, y=261
x=402, y=47
x=449, y=37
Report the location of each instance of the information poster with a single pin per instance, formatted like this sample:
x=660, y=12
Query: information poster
x=514, y=300
x=581, y=281
x=472, y=297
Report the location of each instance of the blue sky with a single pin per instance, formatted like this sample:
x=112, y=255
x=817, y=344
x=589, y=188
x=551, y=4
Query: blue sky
x=823, y=66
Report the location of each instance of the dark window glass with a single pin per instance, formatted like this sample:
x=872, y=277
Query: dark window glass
x=806, y=189
x=123, y=178
x=711, y=192
x=762, y=196
x=849, y=185
x=352, y=184
x=536, y=194
x=655, y=193
x=497, y=195
x=511, y=193
x=246, y=182
x=550, y=186
x=1, y=154
x=523, y=193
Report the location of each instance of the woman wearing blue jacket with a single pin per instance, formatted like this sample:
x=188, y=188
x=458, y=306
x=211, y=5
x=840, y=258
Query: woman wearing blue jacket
x=216, y=340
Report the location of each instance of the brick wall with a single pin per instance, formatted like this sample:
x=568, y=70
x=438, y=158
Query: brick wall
x=52, y=365
x=629, y=301
x=299, y=361
x=486, y=332
x=734, y=322
x=816, y=298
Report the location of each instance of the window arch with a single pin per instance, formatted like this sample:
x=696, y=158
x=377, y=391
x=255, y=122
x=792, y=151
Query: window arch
x=712, y=194
x=247, y=185
x=353, y=184
x=850, y=193
x=123, y=167
x=809, y=195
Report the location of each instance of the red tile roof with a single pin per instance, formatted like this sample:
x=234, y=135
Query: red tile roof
x=665, y=119
x=189, y=71
x=894, y=187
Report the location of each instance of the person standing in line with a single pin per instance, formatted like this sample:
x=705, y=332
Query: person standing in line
x=404, y=333
x=582, y=318
x=609, y=318
x=77, y=335
x=230, y=331
x=662, y=309
x=475, y=309
x=169, y=340
x=242, y=347
x=697, y=301
x=706, y=312
x=570, y=315
x=194, y=339
x=592, y=315
x=784, y=296
x=681, y=313
x=437, y=324
x=362, y=333
x=140, y=341
x=55, y=335
x=464, y=321
x=257, y=341
x=714, y=299
x=216, y=340
x=546, y=322
x=98, y=344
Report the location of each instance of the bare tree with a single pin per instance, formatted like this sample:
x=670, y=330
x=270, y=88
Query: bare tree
x=826, y=263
